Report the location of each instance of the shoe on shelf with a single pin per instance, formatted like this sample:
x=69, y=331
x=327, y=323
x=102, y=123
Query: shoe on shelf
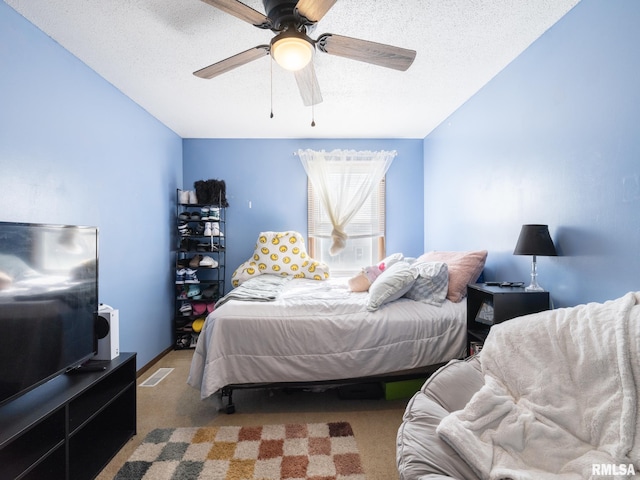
x=204, y=213
x=184, y=216
x=183, y=341
x=214, y=213
x=182, y=263
x=180, y=276
x=193, y=199
x=190, y=276
x=184, y=229
x=186, y=309
x=194, y=292
x=208, y=232
x=210, y=293
x=197, y=325
x=195, y=217
x=195, y=261
x=215, y=230
x=199, y=308
x=208, y=262
x=183, y=197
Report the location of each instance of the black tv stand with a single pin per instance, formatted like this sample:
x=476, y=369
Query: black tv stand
x=70, y=427
x=91, y=366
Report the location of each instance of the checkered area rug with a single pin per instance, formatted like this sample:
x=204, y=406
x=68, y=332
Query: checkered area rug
x=315, y=451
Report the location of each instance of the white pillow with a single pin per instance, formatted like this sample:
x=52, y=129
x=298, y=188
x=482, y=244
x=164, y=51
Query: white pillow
x=392, y=259
x=392, y=284
x=432, y=283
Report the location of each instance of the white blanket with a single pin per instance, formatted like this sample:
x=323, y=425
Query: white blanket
x=265, y=288
x=560, y=399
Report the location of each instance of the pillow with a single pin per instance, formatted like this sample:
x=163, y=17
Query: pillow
x=280, y=253
x=391, y=259
x=432, y=283
x=464, y=268
x=392, y=284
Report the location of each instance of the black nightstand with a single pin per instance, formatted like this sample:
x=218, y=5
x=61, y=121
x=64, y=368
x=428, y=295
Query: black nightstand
x=489, y=305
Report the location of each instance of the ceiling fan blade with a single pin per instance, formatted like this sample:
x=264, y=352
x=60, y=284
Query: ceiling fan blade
x=365, y=51
x=242, y=11
x=308, y=85
x=313, y=10
x=233, y=62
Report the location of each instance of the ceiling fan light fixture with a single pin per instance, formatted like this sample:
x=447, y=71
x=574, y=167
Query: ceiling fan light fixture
x=292, y=51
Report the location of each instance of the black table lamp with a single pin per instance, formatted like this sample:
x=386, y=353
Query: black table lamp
x=535, y=240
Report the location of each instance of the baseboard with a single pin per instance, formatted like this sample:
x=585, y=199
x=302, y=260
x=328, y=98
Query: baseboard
x=149, y=365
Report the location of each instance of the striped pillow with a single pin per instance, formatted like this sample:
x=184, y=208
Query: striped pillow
x=431, y=284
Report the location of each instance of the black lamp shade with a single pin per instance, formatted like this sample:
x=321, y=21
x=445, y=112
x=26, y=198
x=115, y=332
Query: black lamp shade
x=535, y=240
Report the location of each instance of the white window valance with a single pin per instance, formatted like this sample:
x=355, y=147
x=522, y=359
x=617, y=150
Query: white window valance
x=344, y=179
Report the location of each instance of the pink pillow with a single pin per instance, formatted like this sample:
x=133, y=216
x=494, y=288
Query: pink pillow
x=464, y=268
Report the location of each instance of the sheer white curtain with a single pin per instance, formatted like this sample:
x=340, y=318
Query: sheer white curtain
x=332, y=175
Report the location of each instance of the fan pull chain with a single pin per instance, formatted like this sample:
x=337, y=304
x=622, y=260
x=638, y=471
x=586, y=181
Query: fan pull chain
x=313, y=104
x=271, y=82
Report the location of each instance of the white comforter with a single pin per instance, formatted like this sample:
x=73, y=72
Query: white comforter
x=560, y=399
x=320, y=330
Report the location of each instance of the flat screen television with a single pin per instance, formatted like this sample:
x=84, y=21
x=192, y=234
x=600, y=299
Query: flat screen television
x=48, y=302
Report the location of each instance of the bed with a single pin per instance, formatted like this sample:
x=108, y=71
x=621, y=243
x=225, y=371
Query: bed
x=289, y=330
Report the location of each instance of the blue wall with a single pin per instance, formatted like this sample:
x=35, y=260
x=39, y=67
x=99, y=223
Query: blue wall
x=269, y=175
x=552, y=139
x=74, y=150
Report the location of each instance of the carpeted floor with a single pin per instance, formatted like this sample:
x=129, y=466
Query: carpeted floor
x=174, y=404
x=315, y=451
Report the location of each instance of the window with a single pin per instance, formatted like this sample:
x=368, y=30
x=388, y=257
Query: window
x=346, y=219
x=366, y=242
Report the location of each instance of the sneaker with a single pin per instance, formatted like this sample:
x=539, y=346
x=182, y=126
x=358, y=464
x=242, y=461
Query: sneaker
x=214, y=213
x=194, y=292
x=208, y=262
x=190, y=276
x=215, y=230
x=186, y=309
x=183, y=341
x=192, y=197
x=184, y=229
x=208, y=232
x=180, y=276
x=204, y=213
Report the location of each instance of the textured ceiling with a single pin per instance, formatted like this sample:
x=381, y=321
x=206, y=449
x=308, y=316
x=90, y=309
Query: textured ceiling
x=149, y=50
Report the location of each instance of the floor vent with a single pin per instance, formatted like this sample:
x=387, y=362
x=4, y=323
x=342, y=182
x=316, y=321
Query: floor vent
x=157, y=377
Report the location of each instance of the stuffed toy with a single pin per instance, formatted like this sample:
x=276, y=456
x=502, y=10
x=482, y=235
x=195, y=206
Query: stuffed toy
x=363, y=280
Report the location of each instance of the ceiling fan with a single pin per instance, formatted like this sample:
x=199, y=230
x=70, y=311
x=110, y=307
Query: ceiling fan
x=293, y=49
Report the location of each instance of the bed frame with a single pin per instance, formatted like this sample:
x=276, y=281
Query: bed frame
x=421, y=372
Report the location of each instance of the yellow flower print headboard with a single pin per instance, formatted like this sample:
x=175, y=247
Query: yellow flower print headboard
x=280, y=253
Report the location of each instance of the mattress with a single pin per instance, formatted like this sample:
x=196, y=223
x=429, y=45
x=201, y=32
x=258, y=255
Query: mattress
x=320, y=330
